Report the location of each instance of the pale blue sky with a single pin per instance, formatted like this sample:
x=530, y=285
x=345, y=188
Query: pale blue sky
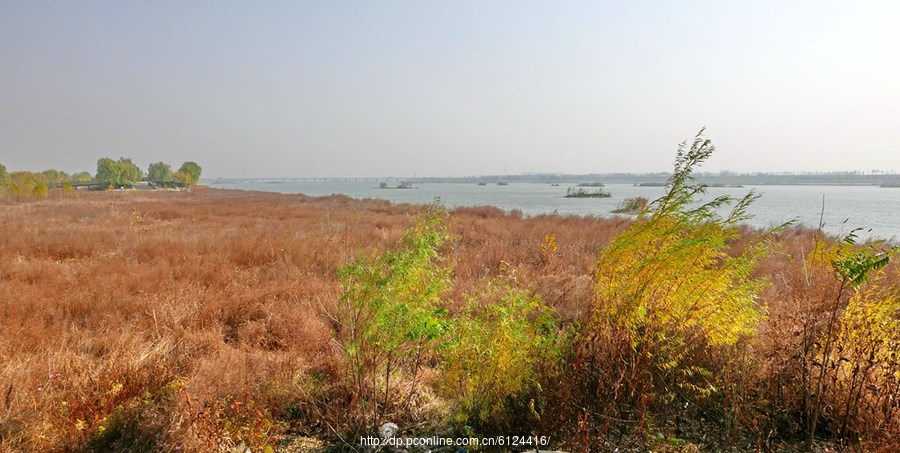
x=449, y=88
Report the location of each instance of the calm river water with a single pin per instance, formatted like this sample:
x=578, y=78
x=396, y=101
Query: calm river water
x=846, y=207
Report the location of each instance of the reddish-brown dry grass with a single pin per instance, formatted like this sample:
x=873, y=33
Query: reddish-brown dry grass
x=164, y=320
x=152, y=318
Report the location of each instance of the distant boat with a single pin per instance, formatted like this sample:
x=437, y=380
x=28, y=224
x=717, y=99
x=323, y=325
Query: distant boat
x=482, y=184
x=502, y=183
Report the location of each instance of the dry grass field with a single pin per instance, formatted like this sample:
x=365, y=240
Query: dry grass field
x=198, y=321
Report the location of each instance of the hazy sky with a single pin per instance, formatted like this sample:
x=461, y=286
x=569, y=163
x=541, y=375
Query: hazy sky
x=301, y=88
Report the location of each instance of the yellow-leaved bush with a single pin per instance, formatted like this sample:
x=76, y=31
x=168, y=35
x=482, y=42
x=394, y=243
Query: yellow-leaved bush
x=672, y=290
x=500, y=346
x=673, y=286
x=868, y=362
x=852, y=369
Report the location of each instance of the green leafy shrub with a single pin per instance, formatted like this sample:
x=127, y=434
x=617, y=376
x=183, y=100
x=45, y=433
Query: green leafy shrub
x=392, y=317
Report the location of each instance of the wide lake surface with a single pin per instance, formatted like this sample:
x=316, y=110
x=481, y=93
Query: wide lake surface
x=846, y=207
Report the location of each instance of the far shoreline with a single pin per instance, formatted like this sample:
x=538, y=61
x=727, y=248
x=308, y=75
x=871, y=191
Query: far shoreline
x=518, y=213
x=870, y=217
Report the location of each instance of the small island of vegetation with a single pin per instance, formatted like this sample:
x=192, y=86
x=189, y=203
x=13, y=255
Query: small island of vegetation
x=578, y=192
x=633, y=205
x=402, y=185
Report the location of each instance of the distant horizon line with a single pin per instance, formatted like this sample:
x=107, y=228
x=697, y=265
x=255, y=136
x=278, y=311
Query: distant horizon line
x=724, y=173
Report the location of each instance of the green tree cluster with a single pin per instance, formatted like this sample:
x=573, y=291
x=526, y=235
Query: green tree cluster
x=124, y=173
x=52, y=176
x=161, y=174
x=82, y=177
x=188, y=174
x=118, y=174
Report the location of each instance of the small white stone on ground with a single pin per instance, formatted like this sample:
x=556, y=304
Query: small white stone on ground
x=387, y=430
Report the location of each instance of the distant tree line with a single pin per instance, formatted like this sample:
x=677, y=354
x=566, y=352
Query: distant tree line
x=27, y=184
x=160, y=173
x=121, y=173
